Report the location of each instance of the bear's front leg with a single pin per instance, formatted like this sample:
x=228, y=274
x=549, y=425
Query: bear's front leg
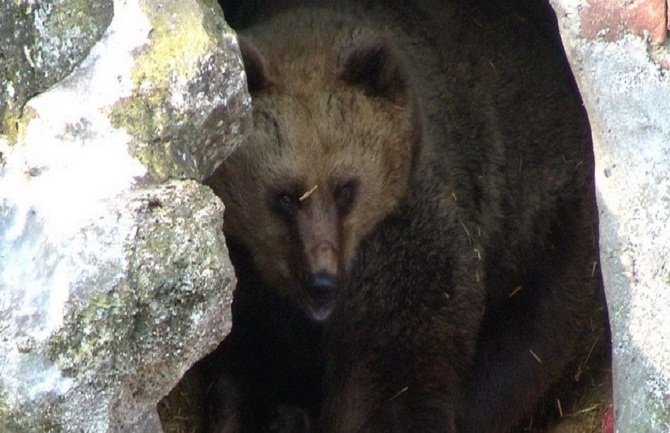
x=379, y=394
x=247, y=401
x=540, y=343
x=400, y=343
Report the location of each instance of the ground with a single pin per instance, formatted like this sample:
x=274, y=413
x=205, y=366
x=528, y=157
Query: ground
x=182, y=410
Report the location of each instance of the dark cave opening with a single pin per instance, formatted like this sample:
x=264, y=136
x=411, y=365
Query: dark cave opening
x=184, y=409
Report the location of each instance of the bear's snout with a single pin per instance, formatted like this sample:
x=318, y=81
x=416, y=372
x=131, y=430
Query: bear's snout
x=322, y=289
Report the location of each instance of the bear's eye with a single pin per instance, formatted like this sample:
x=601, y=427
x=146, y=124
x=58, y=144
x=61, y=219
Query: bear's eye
x=345, y=195
x=285, y=203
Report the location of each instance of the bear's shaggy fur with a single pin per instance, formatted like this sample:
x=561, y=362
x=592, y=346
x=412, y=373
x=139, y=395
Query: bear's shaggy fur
x=412, y=221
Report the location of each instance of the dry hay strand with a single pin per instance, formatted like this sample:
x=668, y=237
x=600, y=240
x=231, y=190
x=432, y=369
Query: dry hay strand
x=588, y=412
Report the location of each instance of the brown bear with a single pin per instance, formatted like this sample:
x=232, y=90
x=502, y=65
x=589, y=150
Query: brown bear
x=411, y=220
x=298, y=202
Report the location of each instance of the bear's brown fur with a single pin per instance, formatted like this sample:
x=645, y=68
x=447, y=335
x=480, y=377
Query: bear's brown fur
x=422, y=171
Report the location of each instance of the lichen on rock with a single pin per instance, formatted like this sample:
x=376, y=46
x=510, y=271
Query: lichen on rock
x=119, y=310
x=114, y=275
x=42, y=42
x=179, y=111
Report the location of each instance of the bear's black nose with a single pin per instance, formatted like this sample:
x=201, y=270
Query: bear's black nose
x=322, y=284
x=322, y=289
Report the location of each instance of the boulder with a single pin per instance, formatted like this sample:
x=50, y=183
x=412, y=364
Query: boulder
x=114, y=274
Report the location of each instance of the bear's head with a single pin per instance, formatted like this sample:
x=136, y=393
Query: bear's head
x=334, y=140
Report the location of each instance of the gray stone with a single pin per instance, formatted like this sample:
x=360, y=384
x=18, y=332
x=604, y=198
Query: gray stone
x=187, y=91
x=100, y=319
x=168, y=73
x=40, y=43
x=114, y=275
x=627, y=95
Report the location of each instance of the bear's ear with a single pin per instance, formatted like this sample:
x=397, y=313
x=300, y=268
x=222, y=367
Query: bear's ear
x=255, y=66
x=374, y=66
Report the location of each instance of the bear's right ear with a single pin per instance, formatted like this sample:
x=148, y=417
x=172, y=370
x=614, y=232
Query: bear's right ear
x=374, y=66
x=255, y=66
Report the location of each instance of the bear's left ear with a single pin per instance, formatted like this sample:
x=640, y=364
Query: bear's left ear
x=255, y=66
x=374, y=66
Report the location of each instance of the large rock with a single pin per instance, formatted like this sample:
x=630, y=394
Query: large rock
x=100, y=318
x=41, y=43
x=625, y=84
x=114, y=276
x=187, y=87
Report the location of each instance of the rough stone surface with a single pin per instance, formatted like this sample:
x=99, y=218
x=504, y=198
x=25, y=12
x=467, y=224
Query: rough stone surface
x=40, y=43
x=627, y=96
x=114, y=280
x=183, y=101
x=168, y=73
x=612, y=19
x=98, y=322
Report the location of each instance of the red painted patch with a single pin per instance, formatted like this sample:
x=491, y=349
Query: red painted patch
x=608, y=420
x=611, y=19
